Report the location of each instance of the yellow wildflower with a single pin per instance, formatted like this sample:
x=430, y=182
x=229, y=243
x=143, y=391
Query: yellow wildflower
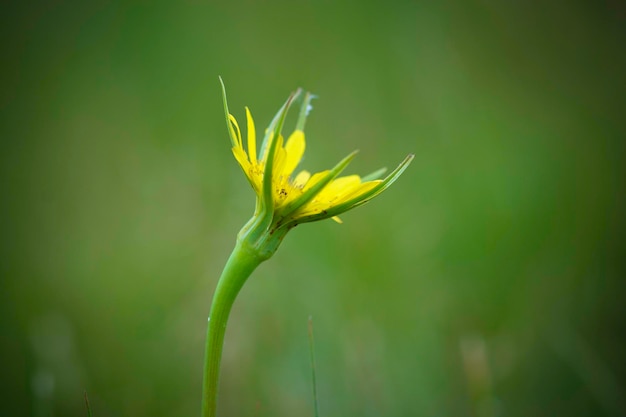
x=285, y=199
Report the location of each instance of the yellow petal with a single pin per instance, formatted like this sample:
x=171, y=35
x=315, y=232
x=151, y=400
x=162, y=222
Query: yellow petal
x=301, y=179
x=237, y=135
x=314, y=179
x=251, y=137
x=339, y=188
x=294, y=149
x=279, y=161
x=242, y=158
x=337, y=219
x=279, y=146
x=356, y=192
x=312, y=207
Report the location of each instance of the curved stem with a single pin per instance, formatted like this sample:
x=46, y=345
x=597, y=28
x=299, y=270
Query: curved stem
x=240, y=265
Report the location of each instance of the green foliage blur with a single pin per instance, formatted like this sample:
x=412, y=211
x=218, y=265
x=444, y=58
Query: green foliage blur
x=486, y=282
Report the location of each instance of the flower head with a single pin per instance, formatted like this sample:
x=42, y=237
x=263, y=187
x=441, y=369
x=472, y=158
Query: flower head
x=287, y=197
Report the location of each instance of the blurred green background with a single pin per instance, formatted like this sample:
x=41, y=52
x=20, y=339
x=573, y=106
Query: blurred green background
x=486, y=282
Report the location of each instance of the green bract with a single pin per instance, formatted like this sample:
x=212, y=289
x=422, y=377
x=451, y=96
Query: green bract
x=285, y=200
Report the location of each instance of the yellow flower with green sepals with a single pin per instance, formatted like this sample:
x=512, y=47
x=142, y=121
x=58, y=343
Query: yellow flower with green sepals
x=286, y=198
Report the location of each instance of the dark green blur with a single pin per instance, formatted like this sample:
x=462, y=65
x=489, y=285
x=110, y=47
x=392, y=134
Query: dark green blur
x=486, y=282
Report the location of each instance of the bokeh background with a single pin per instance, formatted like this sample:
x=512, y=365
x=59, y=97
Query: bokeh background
x=486, y=282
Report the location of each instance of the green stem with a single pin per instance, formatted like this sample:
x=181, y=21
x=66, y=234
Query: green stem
x=240, y=265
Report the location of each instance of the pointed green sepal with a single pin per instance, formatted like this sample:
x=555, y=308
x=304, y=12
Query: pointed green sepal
x=229, y=125
x=374, y=175
x=309, y=194
x=271, y=128
x=361, y=198
x=305, y=108
x=275, y=128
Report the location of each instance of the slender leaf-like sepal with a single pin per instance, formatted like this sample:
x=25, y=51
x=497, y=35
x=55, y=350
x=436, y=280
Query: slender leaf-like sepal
x=271, y=128
x=309, y=194
x=231, y=131
x=275, y=130
x=374, y=175
x=305, y=108
x=361, y=198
